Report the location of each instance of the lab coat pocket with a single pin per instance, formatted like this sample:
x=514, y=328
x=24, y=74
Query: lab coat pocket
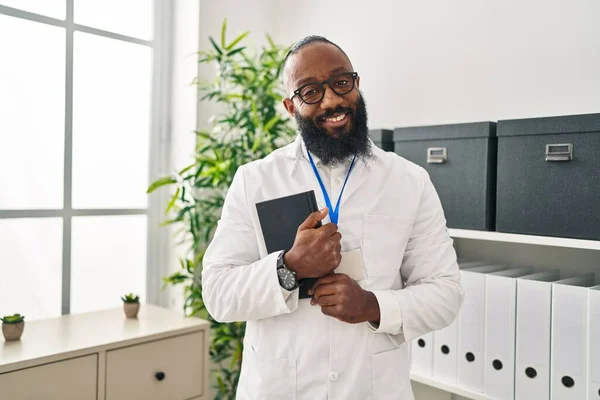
x=384, y=240
x=277, y=378
x=391, y=376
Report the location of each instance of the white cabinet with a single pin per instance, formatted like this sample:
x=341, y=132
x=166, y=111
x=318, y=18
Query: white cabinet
x=161, y=370
x=568, y=256
x=105, y=356
x=74, y=379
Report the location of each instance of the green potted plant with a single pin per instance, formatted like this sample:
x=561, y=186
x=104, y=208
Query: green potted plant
x=131, y=305
x=251, y=125
x=13, y=326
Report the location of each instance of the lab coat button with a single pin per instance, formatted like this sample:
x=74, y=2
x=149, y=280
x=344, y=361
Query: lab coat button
x=333, y=376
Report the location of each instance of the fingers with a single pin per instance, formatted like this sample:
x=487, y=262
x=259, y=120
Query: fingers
x=324, y=291
x=332, y=311
x=328, y=230
x=332, y=245
x=336, y=237
x=332, y=248
x=325, y=301
x=326, y=280
x=326, y=295
x=331, y=260
x=312, y=220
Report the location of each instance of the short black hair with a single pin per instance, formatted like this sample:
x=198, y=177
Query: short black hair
x=299, y=45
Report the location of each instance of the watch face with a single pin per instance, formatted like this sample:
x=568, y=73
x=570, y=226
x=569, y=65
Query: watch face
x=287, y=278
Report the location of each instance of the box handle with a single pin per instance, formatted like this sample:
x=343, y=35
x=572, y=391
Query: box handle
x=437, y=155
x=559, y=152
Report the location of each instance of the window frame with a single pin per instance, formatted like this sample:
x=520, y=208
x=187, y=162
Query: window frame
x=159, y=151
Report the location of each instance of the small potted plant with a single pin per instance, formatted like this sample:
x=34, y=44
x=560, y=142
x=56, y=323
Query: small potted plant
x=12, y=326
x=131, y=305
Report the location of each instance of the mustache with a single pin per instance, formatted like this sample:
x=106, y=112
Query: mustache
x=339, y=110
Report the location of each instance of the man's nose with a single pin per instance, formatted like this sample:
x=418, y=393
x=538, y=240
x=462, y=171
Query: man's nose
x=330, y=99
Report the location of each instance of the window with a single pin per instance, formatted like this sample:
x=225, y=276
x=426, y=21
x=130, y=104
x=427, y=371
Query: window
x=80, y=139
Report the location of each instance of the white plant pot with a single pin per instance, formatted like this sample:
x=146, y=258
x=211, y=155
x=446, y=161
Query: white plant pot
x=13, y=331
x=131, y=309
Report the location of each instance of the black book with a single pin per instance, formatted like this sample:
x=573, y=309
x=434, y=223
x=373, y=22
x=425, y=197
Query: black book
x=280, y=218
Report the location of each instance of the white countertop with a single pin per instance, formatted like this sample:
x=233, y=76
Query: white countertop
x=78, y=334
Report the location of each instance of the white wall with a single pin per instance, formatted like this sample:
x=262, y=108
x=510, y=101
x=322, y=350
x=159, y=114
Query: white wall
x=183, y=114
x=439, y=61
x=257, y=16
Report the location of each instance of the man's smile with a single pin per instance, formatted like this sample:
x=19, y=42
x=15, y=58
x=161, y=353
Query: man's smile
x=336, y=121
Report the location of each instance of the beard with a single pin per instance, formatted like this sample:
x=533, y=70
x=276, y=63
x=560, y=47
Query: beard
x=332, y=150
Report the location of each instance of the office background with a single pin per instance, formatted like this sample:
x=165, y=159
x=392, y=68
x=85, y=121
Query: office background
x=432, y=62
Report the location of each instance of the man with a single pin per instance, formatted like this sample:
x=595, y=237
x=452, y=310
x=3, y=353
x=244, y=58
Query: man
x=349, y=341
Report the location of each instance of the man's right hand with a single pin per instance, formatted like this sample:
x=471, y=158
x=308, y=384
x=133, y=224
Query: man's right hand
x=316, y=251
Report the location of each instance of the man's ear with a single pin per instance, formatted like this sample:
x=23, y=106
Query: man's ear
x=358, y=82
x=289, y=106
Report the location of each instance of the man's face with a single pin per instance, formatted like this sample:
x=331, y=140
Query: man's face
x=335, y=127
x=316, y=63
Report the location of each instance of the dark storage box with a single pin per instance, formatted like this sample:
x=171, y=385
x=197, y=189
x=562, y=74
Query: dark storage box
x=461, y=161
x=549, y=176
x=383, y=138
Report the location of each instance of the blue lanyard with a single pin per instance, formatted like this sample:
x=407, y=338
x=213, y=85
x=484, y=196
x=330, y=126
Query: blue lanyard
x=333, y=214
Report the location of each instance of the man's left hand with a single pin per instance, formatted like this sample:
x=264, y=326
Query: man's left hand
x=341, y=297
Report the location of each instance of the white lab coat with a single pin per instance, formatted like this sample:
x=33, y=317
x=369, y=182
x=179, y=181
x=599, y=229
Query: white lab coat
x=292, y=350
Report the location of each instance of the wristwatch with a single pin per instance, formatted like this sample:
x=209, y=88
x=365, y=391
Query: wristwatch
x=287, y=278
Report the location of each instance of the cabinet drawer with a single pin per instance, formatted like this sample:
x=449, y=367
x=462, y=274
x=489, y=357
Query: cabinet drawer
x=166, y=369
x=74, y=379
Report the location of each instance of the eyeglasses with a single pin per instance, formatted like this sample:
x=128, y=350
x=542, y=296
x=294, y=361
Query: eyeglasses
x=341, y=84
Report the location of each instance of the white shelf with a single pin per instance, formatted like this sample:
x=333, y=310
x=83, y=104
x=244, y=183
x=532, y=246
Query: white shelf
x=525, y=239
x=449, y=387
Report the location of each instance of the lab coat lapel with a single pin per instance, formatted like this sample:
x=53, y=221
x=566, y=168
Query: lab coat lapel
x=359, y=175
x=361, y=172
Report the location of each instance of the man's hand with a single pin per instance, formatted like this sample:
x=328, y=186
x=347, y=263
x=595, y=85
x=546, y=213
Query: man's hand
x=341, y=297
x=316, y=251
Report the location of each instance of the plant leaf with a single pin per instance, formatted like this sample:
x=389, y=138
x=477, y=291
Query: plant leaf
x=232, y=52
x=172, y=202
x=216, y=46
x=254, y=113
x=167, y=180
x=270, y=40
x=186, y=169
x=165, y=223
x=271, y=123
x=237, y=40
x=223, y=31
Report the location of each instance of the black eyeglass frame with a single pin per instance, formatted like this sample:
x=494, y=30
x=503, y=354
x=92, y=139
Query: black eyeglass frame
x=329, y=82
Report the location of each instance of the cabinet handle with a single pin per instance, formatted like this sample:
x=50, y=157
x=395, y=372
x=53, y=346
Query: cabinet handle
x=160, y=375
x=437, y=155
x=530, y=372
x=559, y=152
x=568, y=381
